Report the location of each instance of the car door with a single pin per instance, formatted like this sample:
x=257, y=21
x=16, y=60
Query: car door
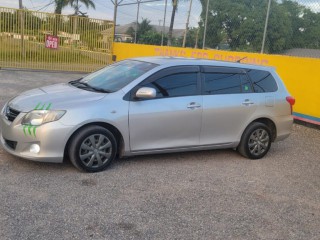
x=173, y=118
x=228, y=104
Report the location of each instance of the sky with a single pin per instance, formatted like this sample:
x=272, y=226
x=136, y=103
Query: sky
x=154, y=11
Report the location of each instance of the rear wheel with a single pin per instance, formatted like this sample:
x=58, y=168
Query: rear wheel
x=255, y=141
x=92, y=149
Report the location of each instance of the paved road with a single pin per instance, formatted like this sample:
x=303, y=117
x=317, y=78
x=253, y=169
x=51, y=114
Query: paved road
x=198, y=195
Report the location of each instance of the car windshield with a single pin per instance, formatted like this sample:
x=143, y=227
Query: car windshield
x=116, y=76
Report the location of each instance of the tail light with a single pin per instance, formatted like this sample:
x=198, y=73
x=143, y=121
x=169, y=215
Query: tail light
x=291, y=101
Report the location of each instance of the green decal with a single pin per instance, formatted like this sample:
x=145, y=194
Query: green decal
x=34, y=131
x=36, y=108
x=42, y=106
x=48, y=106
x=30, y=129
x=24, y=129
x=246, y=88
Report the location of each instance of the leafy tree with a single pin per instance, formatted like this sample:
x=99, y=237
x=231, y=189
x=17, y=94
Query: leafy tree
x=142, y=28
x=76, y=6
x=60, y=4
x=240, y=24
x=191, y=38
x=152, y=37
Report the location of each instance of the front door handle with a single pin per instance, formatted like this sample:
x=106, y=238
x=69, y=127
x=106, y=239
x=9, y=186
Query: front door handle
x=247, y=102
x=193, y=105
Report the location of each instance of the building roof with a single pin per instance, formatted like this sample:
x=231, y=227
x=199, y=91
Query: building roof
x=303, y=52
x=122, y=29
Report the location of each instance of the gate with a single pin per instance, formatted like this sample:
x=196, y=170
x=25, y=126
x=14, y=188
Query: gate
x=38, y=40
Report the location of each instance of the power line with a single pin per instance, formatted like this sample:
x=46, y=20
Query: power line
x=46, y=6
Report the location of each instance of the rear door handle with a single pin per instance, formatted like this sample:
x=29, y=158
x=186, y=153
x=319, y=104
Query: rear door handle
x=247, y=102
x=193, y=105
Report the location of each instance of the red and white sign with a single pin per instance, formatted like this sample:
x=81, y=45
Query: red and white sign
x=52, y=42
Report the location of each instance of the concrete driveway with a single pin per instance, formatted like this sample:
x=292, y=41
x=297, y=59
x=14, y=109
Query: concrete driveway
x=197, y=195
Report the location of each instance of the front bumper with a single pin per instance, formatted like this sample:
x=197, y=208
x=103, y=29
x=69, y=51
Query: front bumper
x=51, y=137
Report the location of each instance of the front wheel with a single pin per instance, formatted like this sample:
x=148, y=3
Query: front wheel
x=92, y=149
x=255, y=141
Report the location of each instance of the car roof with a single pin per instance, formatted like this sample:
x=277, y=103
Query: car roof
x=176, y=61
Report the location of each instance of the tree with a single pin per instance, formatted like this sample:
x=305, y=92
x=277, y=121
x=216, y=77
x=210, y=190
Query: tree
x=60, y=4
x=76, y=6
x=240, y=25
x=191, y=38
x=173, y=14
x=142, y=28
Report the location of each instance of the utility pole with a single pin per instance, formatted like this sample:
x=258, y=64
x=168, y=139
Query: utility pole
x=205, y=26
x=187, y=25
x=265, y=27
x=164, y=21
x=137, y=20
x=115, y=10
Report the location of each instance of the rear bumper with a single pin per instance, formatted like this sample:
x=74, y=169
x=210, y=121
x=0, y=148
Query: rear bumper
x=284, y=127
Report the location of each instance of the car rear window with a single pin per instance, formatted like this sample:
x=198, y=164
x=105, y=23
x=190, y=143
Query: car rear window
x=226, y=83
x=262, y=81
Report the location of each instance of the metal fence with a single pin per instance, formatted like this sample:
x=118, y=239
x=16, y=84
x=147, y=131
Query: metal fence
x=38, y=40
x=290, y=27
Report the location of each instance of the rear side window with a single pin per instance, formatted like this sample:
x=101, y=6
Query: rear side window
x=262, y=81
x=175, y=85
x=226, y=83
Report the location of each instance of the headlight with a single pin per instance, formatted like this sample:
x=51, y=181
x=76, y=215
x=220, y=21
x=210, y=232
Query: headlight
x=39, y=117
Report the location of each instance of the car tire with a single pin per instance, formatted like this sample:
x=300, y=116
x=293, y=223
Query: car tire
x=255, y=141
x=92, y=149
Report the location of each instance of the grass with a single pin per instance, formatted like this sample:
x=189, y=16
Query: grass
x=35, y=54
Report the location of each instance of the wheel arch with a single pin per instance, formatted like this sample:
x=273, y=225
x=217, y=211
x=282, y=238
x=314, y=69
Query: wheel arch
x=270, y=123
x=115, y=131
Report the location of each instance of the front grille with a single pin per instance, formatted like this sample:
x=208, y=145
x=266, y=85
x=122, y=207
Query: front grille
x=11, y=144
x=11, y=114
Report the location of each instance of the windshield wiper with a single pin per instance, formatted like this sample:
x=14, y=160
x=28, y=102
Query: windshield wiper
x=75, y=81
x=79, y=84
x=99, y=89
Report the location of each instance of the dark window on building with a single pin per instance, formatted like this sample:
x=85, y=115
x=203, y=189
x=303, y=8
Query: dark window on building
x=262, y=81
x=226, y=83
x=181, y=84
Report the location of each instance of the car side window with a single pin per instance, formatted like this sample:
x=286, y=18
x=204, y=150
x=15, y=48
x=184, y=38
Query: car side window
x=226, y=83
x=175, y=85
x=262, y=81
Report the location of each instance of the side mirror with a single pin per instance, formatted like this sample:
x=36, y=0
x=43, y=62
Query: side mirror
x=146, y=93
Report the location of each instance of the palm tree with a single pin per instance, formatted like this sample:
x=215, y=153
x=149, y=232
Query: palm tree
x=76, y=7
x=60, y=4
x=174, y=9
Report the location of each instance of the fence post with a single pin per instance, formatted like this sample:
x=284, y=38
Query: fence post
x=21, y=13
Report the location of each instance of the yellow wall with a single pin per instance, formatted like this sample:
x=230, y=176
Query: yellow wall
x=301, y=75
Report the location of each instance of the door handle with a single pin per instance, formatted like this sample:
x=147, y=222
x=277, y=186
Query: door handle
x=247, y=102
x=193, y=105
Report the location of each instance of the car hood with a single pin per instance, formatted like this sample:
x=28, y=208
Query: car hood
x=58, y=96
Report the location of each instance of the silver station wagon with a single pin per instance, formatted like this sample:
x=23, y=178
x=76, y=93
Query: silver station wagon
x=149, y=105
